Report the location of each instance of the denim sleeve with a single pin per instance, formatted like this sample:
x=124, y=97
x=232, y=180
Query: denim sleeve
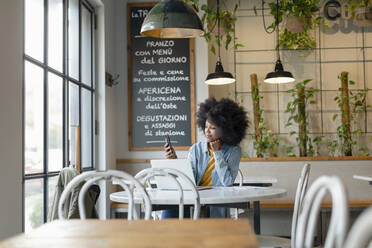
x=193, y=160
x=227, y=169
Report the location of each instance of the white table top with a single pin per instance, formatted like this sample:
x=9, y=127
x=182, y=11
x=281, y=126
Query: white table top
x=256, y=180
x=364, y=178
x=216, y=195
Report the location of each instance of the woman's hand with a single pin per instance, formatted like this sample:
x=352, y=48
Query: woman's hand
x=170, y=153
x=215, y=145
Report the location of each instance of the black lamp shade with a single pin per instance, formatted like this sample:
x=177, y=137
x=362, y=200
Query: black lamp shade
x=279, y=76
x=172, y=19
x=219, y=77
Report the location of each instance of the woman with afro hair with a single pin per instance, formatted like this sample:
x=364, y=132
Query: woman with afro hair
x=215, y=162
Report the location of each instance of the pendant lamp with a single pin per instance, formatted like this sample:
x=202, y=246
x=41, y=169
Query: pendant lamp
x=279, y=76
x=172, y=19
x=219, y=77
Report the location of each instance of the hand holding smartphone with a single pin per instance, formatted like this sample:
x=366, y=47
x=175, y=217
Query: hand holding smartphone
x=169, y=151
x=168, y=144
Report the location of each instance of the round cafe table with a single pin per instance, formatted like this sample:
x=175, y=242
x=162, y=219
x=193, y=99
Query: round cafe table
x=216, y=196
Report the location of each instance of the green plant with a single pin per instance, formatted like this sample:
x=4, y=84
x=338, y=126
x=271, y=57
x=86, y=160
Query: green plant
x=302, y=11
x=268, y=144
x=36, y=215
x=301, y=97
x=318, y=140
x=332, y=146
x=364, y=151
x=288, y=150
x=351, y=103
x=265, y=142
x=227, y=22
x=357, y=4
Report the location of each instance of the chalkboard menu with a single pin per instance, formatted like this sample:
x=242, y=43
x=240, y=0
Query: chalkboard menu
x=160, y=87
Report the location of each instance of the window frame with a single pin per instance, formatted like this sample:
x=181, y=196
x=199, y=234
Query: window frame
x=45, y=175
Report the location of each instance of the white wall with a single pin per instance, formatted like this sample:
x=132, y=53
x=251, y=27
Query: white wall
x=11, y=71
x=278, y=221
x=102, y=156
x=288, y=173
x=117, y=105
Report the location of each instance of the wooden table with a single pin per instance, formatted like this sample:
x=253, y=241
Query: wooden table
x=139, y=233
x=364, y=178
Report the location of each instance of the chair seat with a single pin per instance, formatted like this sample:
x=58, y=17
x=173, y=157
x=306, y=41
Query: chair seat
x=272, y=241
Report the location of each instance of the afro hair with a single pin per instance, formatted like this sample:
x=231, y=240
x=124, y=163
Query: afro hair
x=230, y=118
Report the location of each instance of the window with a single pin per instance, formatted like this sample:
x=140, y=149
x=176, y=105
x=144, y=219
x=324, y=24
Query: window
x=58, y=96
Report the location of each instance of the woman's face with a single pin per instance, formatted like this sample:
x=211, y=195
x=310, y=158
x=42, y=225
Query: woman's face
x=210, y=132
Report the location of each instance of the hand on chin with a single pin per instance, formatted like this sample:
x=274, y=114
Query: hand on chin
x=215, y=145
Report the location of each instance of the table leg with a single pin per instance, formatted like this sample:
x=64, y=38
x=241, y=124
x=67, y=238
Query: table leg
x=137, y=211
x=256, y=217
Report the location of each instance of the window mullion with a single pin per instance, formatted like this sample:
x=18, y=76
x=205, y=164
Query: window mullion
x=66, y=84
x=46, y=117
x=80, y=88
x=92, y=24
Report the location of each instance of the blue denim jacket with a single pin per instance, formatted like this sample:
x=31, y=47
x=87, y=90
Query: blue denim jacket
x=226, y=167
x=226, y=163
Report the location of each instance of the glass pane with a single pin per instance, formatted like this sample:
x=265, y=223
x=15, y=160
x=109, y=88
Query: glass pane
x=34, y=29
x=73, y=39
x=55, y=122
x=86, y=45
x=52, y=185
x=33, y=204
x=55, y=34
x=34, y=118
x=74, y=125
x=86, y=128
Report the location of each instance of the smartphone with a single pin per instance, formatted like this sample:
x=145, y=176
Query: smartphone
x=167, y=140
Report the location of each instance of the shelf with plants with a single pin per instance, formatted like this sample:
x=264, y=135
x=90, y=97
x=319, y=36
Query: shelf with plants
x=321, y=139
x=311, y=145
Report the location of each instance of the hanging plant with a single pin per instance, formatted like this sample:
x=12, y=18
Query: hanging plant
x=298, y=17
x=227, y=25
x=361, y=4
x=361, y=12
x=302, y=96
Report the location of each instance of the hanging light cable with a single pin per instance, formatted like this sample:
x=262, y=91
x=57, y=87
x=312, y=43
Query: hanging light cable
x=172, y=19
x=279, y=75
x=219, y=76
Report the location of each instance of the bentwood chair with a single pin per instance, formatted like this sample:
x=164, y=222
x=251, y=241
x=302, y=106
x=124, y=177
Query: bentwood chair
x=273, y=241
x=360, y=234
x=126, y=181
x=310, y=211
x=72, y=211
x=175, y=175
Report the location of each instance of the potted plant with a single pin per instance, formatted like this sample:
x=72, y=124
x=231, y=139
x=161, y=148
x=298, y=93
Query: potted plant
x=302, y=96
x=227, y=24
x=266, y=143
x=298, y=18
x=351, y=103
